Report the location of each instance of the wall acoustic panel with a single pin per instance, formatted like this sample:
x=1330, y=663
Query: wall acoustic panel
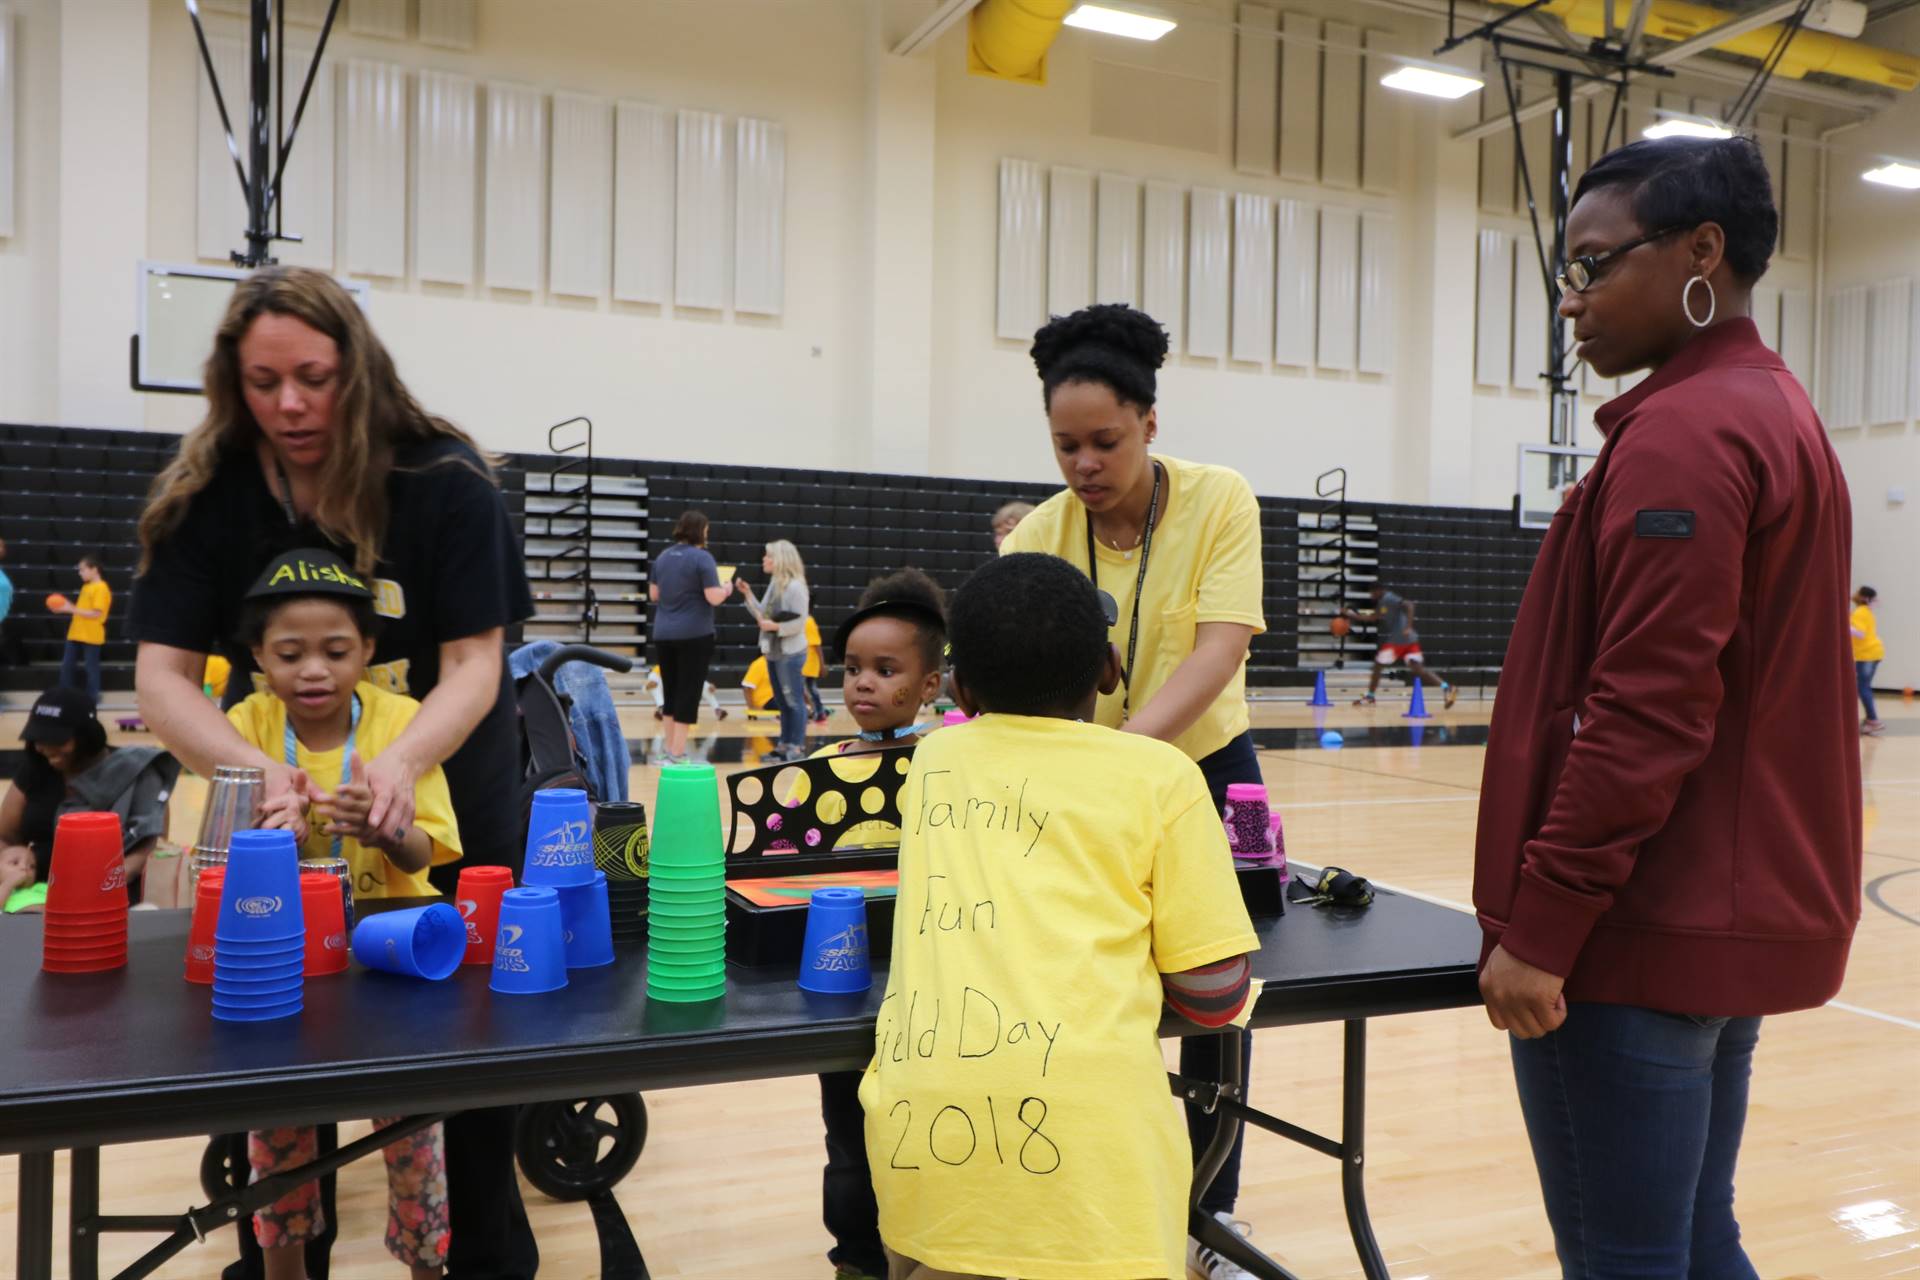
x=220, y=211
x=1208, y=252
x=9, y=121
x=1377, y=276
x=1493, y=311
x=643, y=203
x=306, y=188
x=373, y=224
x=1021, y=298
x=580, y=243
x=1797, y=206
x=1163, y=259
x=1116, y=275
x=449, y=24
x=446, y=150
x=1497, y=180
x=310, y=13
x=1380, y=147
x=1843, y=366
x=1339, y=328
x=1536, y=149
x=760, y=219
x=386, y=19
x=1252, y=339
x=516, y=187
x=1069, y=240
x=1529, y=317
x=1300, y=98
x=703, y=208
x=1256, y=89
x=1796, y=334
x=1766, y=316
x=1340, y=107
x=1296, y=271
x=1772, y=137
x=1889, y=346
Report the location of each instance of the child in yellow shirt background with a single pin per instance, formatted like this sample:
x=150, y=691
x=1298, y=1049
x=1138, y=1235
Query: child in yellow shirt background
x=87, y=632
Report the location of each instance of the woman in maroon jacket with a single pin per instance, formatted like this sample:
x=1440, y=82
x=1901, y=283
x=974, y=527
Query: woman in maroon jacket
x=1669, y=843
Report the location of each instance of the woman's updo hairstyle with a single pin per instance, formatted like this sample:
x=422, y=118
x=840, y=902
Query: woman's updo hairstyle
x=1683, y=182
x=1109, y=344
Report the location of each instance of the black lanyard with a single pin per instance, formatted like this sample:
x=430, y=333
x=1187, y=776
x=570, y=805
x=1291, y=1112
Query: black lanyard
x=1139, y=581
x=286, y=486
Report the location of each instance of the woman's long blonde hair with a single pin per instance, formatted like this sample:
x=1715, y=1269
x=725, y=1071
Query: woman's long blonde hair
x=374, y=415
x=787, y=568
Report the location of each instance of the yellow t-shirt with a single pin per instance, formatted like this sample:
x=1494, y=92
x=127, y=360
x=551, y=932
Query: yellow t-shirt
x=815, y=664
x=1205, y=567
x=832, y=807
x=1017, y=1114
x=758, y=683
x=1868, y=647
x=93, y=595
x=214, y=678
x=262, y=721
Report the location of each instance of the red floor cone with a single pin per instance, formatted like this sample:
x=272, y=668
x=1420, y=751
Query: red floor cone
x=1417, y=709
x=1320, y=698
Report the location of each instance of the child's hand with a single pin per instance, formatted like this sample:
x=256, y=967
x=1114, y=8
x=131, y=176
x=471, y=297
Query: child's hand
x=346, y=809
x=16, y=865
x=286, y=811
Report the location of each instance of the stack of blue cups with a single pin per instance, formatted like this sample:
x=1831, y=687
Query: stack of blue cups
x=560, y=858
x=260, y=938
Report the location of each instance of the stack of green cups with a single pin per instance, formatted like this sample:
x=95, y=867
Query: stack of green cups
x=687, y=907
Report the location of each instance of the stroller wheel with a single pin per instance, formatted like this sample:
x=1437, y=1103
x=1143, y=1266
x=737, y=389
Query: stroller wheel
x=573, y=1150
x=223, y=1165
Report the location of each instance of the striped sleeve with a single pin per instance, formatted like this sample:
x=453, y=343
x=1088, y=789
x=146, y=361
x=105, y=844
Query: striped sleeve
x=1211, y=995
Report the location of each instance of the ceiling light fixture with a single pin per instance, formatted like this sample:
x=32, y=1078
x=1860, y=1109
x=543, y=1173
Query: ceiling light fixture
x=1687, y=127
x=1432, y=82
x=1894, y=174
x=1119, y=22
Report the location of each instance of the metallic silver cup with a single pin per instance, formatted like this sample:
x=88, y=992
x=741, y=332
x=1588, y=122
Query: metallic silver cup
x=233, y=804
x=342, y=870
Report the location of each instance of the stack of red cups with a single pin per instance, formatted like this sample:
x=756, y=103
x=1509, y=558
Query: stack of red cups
x=86, y=920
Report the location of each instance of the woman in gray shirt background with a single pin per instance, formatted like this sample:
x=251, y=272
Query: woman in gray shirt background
x=782, y=613
x=684, y=585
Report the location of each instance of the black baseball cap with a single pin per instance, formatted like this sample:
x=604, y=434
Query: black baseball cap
x=310, y=571
x=58, y=715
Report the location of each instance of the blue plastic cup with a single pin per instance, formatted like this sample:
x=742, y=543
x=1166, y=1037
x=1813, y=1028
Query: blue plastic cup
x=253, y=977
x=231, y=955
x=225, y=1010
x=419, y=942
x=559, y=839
x=588, y=923
x=834, y=957
x=530, y=952
x=258, y=993
x=260, y=897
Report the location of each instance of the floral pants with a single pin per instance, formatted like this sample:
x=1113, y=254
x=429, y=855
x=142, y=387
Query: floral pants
x=416, y=1192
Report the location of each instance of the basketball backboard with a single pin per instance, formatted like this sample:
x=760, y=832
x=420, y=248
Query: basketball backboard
x=1546, y=473
x=179, y=311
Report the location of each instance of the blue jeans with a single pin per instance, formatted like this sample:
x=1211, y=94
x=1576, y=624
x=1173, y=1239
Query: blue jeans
x=793, y=699
x=71, y=660
x=1863, y=676
x=1635, y=1119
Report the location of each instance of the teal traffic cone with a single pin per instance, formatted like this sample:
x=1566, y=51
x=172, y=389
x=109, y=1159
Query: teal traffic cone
x=1417, y=709
x=1320, y=698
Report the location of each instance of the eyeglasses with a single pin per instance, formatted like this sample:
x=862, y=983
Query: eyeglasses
x=1580, y=273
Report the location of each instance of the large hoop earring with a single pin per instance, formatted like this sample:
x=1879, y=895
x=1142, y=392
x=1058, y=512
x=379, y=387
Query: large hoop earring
x=1686, y=301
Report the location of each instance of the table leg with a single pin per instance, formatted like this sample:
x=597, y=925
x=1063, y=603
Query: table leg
x=1353, y=1151
x=33, y=1228
x=83, y=1214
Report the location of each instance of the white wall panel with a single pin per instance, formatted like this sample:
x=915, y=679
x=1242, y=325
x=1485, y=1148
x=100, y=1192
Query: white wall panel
x=307, y=186
x=1339, y=329
x=1529, y=317
x=386, y=19
x=1843, y=365
x=580, y=243
x=1021, y=298
x=1766, y=316
x=1116, y=276
x=1497, y=181
x=1889, y=347
x=374, y=185
x=1256, y=89
x=643, y=203
x=449, y=24
x=1163, y=259
x=1913, y=356
x=1069, y=240
x=220, y=211
x=1536, y=147
x=703, y=211
x=1296, y=271
x=1796, y=334
x=1493, y=311
x=1300, y=98
x=1797, y=206
x=516, y=187
x=1252, y=278
x=1772, y=136
x=1380, y=148
x=760, y=226
x=1378, y=317
x=1340, y=107
x=9, y=120
x=310, y=13
x=446, y=152
x=1207, y=266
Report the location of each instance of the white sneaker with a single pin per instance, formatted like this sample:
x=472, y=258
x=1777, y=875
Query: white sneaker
x=1205, y=1262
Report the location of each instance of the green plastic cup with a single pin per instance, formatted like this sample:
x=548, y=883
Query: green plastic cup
x=690, y=995
x=686, y=953
x=686, y=819
x=668, y=931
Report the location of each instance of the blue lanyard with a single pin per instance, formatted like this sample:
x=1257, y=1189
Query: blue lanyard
x=346, y=752
x=894, y=735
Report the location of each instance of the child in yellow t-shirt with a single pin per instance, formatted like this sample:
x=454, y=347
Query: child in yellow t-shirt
x=1868, y=651
x=311, y=625
x=757, y=686
x=87, y=632
x=1058, y=881
x=811, y=671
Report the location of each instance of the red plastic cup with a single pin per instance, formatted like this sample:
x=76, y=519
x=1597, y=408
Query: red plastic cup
x=206, y=912
x=478, y=898
x=89, y=873
x=324, y=908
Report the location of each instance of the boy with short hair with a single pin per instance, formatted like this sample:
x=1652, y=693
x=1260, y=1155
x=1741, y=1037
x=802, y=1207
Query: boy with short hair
x=87, y=632
x=1399, y=642
x=1058, y=879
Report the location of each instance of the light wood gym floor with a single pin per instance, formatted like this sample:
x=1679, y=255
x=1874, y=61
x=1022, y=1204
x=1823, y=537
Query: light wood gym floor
x=1830, y=1173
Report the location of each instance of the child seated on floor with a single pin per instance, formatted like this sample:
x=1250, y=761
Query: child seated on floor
x=311, y=625
x=1058, y=880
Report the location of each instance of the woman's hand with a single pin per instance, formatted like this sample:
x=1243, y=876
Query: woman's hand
x=768, y=624
x=389, y=779
x=284, y=805
x=346, y=810
x=740, y=585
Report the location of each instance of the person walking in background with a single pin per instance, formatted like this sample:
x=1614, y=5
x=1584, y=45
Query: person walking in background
x=782, y=612
x=87, y=633
x=1399, y=642
x=1868, y=650
x=684, y=589
x=1008, y=518
x=816, y=665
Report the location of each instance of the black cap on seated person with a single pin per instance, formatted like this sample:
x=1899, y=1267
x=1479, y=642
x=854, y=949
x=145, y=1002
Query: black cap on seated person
x=310, y=571
x=58, y=716
x=1027, y=634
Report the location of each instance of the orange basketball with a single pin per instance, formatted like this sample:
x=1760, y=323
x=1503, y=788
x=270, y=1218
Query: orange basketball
x=56, y=602
x=1339, y=626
